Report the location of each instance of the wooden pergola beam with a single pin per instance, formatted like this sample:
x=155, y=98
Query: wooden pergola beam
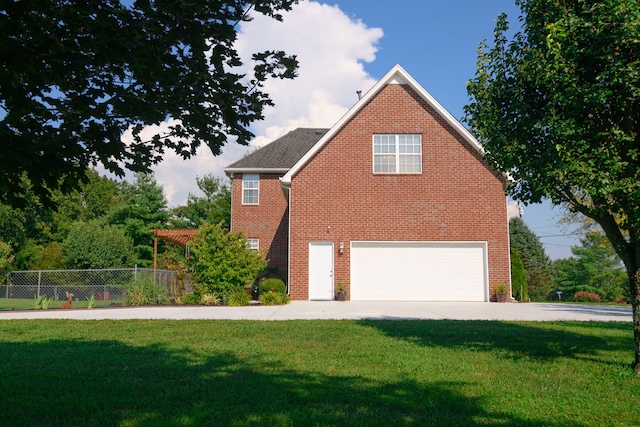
x=178, y=236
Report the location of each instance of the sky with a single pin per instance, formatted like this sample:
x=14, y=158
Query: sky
x=347, y=45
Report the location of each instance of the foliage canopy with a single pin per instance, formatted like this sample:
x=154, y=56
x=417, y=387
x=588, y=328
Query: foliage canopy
x=557, y=107
x=222, y=260
x=76, y=75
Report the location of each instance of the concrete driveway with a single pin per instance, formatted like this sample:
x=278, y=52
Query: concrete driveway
x=347, y=310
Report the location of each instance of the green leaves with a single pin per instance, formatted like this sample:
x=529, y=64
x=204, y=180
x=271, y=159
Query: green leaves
x=223, y=261
x=74, y=76
x=96, y=245
x=557, y=106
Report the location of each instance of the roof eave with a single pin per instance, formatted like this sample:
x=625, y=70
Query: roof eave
x=230, y=171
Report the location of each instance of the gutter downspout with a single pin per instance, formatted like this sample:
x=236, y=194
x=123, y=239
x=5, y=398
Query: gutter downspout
x=286, y=189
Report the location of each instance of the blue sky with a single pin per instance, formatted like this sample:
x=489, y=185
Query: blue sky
x=347, y=45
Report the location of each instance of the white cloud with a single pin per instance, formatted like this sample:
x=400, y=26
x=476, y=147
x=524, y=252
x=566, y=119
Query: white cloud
x=330, y=47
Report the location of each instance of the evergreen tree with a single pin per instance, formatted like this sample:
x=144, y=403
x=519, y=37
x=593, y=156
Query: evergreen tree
x=518, y=277
x=141, y=209
x=214, y=207
x=537, y=264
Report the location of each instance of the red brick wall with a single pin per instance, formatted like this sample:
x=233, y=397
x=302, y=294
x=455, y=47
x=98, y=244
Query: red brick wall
x=267, y=221
x=456, y=198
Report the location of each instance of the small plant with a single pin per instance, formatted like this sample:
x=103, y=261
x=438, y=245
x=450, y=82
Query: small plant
x=143, y=292
x=190, y=299
x=584, y=296
x=91, y=301
x=237, y=298
x=272, y=285
x=210, y=299
x=342, y=286
x=274, y=298
x=501, y=288
x=42, y=302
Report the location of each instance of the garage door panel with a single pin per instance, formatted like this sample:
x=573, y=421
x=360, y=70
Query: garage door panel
x=424, y=271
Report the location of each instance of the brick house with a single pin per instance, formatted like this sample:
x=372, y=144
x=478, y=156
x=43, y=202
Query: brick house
x=394, y=201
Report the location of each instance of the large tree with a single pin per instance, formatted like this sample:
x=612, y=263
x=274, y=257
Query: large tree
x=557, y=107
x=75, y=75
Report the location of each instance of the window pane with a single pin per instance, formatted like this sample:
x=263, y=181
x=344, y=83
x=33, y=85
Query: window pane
x=409, y=144
x=410, y=164
x=250, y=189
x=254, y=244
x=397, y=153
x=383, y=144
x=384, y=164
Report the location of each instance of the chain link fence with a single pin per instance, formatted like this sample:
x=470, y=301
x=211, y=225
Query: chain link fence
x=106, y=287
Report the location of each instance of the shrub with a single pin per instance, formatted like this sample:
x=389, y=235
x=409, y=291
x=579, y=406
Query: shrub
x=96, y=245
x=190, y=299
x=584, y=296
x=237, y=298
x=144, y=292
x=223, y=261
x=274, y=298
x=272, y=285
x=210, y=299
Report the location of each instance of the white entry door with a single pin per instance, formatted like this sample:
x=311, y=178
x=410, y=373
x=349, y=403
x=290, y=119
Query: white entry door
x=321, y=271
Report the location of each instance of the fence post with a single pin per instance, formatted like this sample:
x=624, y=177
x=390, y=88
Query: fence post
x=135, y=272
x=39, y=278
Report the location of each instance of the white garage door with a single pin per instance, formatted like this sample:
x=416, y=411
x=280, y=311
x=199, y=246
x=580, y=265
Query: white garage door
x=418, y=271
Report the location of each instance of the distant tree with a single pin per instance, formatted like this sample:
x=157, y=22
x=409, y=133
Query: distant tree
x=12, y=227
x=94, y=199
x=222, y=260
x=6, y=258
x=142, y=208
x=96, y=245
x=537, y=264
x=595, y=268
x=518, y=277
x=75, y=76
x=214, y=207
x=557, y=107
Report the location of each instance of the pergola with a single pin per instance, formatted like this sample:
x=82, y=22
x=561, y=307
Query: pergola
x=178, y=236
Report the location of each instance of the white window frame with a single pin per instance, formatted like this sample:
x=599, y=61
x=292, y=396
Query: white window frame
x=250, y=189
x=390, y=146
x=254, y=244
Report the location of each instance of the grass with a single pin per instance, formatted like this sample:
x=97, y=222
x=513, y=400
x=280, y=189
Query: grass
x=26, y=303
x=320, y=373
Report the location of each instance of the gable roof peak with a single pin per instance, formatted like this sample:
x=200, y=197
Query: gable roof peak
x=397, y=75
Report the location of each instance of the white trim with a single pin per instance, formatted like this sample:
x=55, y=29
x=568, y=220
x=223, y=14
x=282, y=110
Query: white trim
x=396, y=154
x=230, y=171
x=397, y=75
x=251, y=189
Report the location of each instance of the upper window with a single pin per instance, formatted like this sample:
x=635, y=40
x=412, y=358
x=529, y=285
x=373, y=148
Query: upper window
x=397, y=153
x=250, y=189
x=254, y=244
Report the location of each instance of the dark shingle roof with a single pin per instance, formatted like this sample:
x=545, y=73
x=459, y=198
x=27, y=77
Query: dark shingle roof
x=282, y=153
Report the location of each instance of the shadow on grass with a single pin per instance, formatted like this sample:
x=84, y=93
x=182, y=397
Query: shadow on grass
x=73, y=382
x=545, y=341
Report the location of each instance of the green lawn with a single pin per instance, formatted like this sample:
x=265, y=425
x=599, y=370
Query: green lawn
x=317, y=373
x=26, y=303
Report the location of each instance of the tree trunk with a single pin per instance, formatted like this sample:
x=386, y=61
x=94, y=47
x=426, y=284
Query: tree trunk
x=634, y=279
